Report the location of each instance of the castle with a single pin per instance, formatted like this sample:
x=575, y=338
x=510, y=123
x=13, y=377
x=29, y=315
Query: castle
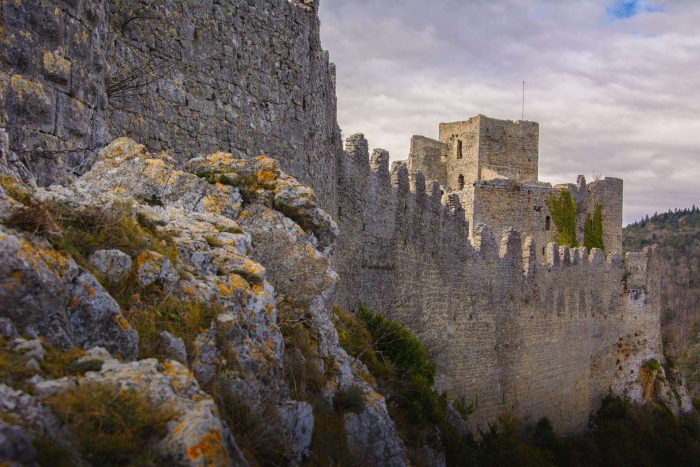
x=492, y=166
x=514, y=322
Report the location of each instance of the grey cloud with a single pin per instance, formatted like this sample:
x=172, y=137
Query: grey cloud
x=617, y=98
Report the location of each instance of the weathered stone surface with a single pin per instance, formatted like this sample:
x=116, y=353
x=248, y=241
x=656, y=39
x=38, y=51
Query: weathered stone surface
x=205, y=360
x=46, y=294
x=371, y=434
x=154, y=268
x=7, y=329
x=112, y=264
x=35, y=418
x=172, y=347
x=196, y=436
x=298, y=421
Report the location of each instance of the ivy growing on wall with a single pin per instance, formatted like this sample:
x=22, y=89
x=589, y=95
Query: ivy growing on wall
x=563, y=210
x=593, y=229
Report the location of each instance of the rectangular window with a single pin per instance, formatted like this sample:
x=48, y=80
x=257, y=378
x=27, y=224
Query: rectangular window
x=459, y=149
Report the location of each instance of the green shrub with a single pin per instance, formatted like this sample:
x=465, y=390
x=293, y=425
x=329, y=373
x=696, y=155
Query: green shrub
x=563, y=210
x=652, y=365
x=409, y=358
x=111, y=426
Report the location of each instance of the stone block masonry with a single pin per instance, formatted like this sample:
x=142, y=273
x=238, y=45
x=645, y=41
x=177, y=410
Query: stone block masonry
x=247, y=77
x=511, y=330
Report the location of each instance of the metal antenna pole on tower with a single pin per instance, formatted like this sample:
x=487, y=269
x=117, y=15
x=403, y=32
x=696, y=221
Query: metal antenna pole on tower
x=522, y=115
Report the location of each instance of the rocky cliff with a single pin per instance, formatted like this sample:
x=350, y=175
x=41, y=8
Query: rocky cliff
x=177, y=286
x=678, y=237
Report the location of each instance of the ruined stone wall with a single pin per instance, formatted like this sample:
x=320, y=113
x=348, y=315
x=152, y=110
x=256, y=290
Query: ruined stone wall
x=503, y=204
x=465, y=136
x=186, y=77
x=426, y=156
x=511, y=331
x=508, y=149
x=53, y=74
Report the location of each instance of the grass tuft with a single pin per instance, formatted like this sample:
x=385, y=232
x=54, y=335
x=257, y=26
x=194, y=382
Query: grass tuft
x=111, y=426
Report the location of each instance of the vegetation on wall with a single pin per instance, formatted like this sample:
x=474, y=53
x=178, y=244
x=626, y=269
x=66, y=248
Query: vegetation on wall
x=563, y=210
x=593, y=229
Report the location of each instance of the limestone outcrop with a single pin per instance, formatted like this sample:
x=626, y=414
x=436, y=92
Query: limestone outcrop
x=187, y=279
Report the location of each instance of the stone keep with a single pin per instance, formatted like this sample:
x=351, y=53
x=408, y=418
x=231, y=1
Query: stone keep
x=492, y=166
x=515, y=323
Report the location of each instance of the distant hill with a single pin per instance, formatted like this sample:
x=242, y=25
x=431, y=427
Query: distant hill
x=678, y=235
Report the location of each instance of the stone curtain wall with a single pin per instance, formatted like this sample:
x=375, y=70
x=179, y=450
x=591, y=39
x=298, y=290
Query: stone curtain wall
x=507, y=333
x=186, y=77
x=510, y=330
x=53, y=77
x=239, y=76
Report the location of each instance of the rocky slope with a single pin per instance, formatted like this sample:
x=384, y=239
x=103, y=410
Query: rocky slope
x=200, y=295
x=678, y=237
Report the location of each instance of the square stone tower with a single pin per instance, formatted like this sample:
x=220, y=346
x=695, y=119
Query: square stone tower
x=484, y=148
x=492, y=166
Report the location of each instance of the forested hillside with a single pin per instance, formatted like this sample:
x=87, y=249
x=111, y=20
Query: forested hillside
x=678, y=235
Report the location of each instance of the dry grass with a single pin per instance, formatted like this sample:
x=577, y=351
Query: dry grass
x=183, y=319
x=111, y=426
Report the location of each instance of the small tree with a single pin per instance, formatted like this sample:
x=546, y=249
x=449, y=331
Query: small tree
x=563, y=210
x=593, y=229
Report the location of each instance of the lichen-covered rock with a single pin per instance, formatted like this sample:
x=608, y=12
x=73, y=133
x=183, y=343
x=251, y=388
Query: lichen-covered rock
x=125, y=169
x=301, y=272
x=371, y=434
x=196, y=435
x=246, y=239
x=7, y=329
x=205, y=360
x=260, y=178
x=152, y=268
x=298, y=421
x=28, y=411
x=172, y=347
x=46, y=294
x=15, y=446
x=112, y=264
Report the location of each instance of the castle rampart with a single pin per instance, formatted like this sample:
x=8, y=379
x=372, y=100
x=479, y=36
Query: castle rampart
x=511, y=329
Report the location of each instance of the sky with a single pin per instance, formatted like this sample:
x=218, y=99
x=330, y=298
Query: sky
x=614, y=84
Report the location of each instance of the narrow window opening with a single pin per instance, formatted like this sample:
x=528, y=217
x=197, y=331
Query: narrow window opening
x=459, y=149
x=542, y=251
x=547, y=223
x=460, y=182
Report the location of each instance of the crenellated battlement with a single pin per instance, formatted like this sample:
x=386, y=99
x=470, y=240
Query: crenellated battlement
x=490, y=306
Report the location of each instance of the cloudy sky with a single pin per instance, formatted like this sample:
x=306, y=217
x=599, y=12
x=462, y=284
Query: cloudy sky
x=615, y=85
